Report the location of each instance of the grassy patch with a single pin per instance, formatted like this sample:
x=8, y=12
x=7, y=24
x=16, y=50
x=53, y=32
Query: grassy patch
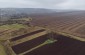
x=2, y=50
x=49, y=41
x=12, y=26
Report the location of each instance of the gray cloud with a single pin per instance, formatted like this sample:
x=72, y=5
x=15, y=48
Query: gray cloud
x=52, y=4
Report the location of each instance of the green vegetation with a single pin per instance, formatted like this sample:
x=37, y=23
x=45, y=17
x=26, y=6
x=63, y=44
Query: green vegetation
x=12, y=26
x=12, y=30
x=8, y=27
x=50, y=41
x=2, y=50
x=25, y=19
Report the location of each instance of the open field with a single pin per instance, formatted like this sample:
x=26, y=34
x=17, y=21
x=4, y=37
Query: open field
x=70, y=23
x=52, y=34
x=64, y=46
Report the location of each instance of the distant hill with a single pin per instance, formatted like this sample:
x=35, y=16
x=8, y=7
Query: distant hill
x=25, y=10
x=7, y=13
x=11, y=13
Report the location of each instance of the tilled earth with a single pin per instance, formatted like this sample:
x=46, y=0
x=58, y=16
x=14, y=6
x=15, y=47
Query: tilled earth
x=73, y=24
x=64, y=46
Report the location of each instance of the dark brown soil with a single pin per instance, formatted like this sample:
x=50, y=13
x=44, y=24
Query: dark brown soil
x=26, y=35
x=29, y=44
x=64, y=46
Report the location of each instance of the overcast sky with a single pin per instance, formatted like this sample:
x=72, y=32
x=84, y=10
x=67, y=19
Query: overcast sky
x=52, y=4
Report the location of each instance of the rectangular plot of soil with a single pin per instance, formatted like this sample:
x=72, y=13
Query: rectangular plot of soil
x=26, y=35
x=64, y=46
x=29, y=44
